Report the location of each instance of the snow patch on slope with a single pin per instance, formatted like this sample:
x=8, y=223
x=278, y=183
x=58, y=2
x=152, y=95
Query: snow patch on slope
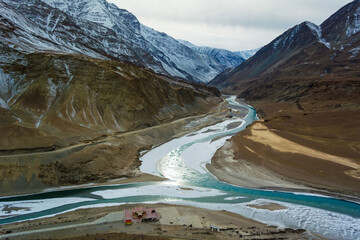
x=3, y=104
x=355, y=27
x=354, y=52
x=317, y=30
x=287, y=39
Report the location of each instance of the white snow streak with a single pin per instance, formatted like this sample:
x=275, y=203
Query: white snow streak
x=355, y=28
x=317, y=30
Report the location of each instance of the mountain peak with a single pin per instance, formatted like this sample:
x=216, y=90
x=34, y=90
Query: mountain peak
x=299, y=35
x=97, y=11
x=98, y=29
x=318, y=32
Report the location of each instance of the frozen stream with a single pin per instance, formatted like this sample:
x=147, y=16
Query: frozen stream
x=183, y=161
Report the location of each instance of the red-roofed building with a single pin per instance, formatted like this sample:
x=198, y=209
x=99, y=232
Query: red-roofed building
x=140, y=214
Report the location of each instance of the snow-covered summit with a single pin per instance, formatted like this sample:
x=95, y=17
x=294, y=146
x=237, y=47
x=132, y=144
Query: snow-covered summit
x=175, y=58
x=98, y=11
x=99, y=29
x=228, y=58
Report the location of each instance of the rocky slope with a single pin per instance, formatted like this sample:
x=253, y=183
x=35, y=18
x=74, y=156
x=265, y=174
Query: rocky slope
x=102, y=30
x=305, y=85
x=64, y=95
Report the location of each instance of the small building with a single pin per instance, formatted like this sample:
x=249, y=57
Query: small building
x=214, y=228
x=140, y=214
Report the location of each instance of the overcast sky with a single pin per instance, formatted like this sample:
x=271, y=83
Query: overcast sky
x=228, y=24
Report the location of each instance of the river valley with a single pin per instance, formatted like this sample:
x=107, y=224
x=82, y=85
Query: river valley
x=183, y=162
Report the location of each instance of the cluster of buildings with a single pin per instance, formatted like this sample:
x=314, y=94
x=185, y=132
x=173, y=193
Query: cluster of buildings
x=140, y=214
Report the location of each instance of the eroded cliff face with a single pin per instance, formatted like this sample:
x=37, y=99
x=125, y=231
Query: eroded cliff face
x=53, y=100
x=71, y=107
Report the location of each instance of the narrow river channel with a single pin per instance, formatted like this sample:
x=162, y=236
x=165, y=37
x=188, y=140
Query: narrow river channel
x=183, y=161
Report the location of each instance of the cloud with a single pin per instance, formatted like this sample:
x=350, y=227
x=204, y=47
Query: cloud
x=241, y=24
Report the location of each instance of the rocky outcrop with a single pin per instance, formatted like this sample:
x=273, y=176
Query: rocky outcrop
x=57, y=99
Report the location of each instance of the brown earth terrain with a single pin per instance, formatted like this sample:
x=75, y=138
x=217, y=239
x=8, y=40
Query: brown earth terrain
x=176, y=222
x=73, y=120
x=97, y=161
x=319, y=149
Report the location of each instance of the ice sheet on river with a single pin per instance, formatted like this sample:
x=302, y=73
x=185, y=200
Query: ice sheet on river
x=32, y=206
x=325, y=223
x=167, y=189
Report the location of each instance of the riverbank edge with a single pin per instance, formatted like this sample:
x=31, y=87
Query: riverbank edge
x=215, y=116
x=299, y=186
x=188, y=219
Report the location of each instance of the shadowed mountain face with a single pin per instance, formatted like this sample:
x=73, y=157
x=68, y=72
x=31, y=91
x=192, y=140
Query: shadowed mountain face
x=341, y=29
x=309, y=65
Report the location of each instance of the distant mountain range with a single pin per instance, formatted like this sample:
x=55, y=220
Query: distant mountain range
x=101, y=30
x=305, y=64
x=225, y=57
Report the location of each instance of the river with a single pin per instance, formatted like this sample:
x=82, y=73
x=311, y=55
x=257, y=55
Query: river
x=182, y=161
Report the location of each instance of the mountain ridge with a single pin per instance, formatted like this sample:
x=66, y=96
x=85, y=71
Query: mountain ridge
x=102, y=30
x=230, y=59
x=304, y=51
x=305, y=87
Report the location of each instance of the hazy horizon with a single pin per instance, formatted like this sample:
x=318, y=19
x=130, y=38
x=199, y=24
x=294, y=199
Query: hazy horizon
x=232, y=24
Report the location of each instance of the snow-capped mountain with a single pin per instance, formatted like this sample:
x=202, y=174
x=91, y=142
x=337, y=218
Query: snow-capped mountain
x=306, y=61
x=228, y=58
x=102, y=30
x=277, y=52
x=34, y=26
